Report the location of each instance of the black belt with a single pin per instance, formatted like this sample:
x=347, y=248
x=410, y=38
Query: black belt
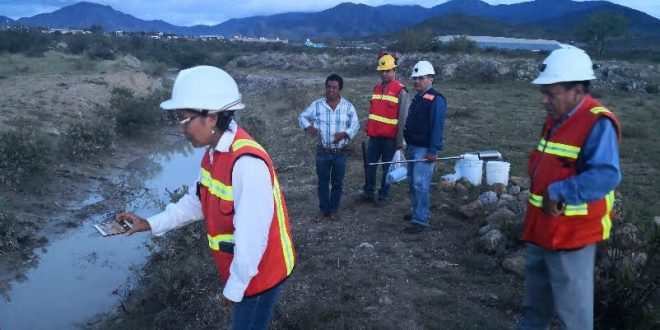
x=333, y=150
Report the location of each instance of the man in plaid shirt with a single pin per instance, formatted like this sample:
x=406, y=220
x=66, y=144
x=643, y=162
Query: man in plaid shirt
x=333, y=121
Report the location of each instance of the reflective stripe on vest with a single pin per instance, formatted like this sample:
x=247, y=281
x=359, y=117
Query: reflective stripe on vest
x=597, y=110
x=607, y=221
x=240, y=143
x=383, y=119
x=215, y=187
x=384, y=97
x=559, y=149
x=214, y=241
x=570, y=210
x=287, y=246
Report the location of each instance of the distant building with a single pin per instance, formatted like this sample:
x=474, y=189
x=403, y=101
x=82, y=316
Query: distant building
x=206, y=37
x=510, y=43
x=309, y=43
x=67, y=31
x=260, y=39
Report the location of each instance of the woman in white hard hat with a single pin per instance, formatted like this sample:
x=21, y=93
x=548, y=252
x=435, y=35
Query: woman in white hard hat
x=237, y=195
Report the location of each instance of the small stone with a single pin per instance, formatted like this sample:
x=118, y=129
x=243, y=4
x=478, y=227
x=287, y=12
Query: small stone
x=465, y=183
x=523, y=183
x=385, y=301
x=366, y=246
x=523, y=196
x=472, y=209
x=515, y=263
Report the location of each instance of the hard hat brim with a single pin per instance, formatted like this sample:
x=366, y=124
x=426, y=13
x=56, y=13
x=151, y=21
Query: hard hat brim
x=382, y=68
x=174, y=105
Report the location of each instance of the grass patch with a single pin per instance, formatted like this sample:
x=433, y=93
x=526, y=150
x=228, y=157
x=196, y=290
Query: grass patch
x=14, y=234
x=24, y=153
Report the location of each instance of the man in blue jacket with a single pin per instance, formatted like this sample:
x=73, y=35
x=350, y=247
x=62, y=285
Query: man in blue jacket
x=423, y=134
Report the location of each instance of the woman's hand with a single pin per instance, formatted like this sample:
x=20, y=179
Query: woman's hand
x=139, y=223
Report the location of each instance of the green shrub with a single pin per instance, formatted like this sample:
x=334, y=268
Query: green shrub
x=627, y=280
x=100, y=52
x=135, y=113
x=83, y=139
x=14, y=233
x=29, y=41
x=24, y=152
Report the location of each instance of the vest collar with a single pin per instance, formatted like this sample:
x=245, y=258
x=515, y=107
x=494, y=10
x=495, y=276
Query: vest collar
x=225, y=141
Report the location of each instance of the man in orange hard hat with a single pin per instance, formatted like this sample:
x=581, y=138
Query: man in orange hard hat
x=387, y=113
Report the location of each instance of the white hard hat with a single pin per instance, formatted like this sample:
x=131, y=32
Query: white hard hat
x=565, y=65
x=422, y=68
x=204, y=88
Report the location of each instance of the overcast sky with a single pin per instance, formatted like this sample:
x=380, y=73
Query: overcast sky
x=211, y=12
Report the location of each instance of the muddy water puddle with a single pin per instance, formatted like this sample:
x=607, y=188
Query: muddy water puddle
x=82, y=273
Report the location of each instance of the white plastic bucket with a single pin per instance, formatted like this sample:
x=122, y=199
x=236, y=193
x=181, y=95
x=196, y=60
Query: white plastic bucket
x=471, y=170
x=497, y=172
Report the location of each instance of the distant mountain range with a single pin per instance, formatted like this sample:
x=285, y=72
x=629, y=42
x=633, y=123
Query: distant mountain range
x=349, y=20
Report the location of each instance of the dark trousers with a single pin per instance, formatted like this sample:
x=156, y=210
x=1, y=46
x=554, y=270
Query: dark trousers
x=378, y=149
x=330, y=169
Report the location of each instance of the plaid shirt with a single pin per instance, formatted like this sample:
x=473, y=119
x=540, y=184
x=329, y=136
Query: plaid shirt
x=342, y=119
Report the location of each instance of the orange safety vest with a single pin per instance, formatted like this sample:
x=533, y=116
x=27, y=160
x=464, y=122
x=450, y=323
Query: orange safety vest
x=555, y=160
x=384, y=110
x=216, y=196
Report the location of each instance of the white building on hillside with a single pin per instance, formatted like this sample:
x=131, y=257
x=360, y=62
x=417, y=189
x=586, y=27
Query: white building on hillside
x=510, y=43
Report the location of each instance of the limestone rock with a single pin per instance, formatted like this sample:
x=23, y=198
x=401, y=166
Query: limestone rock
x=502, y=218
x=446, y=185
x=507, y=201
x=471, y=210
x=488, y=199
x=461, y=191
x=523, y=183
x=493, y=241
x=515, y=263
x=499, y=189
x=627, y=236
x=513, y=190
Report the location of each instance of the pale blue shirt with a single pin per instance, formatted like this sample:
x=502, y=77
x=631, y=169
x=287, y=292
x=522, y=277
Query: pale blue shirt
x=328, y=121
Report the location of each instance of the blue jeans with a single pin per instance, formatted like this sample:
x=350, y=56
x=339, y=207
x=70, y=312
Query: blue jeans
x=255, y=312
x=559, y=282
x=378, y=149
x=330, y=169
x=419, y=181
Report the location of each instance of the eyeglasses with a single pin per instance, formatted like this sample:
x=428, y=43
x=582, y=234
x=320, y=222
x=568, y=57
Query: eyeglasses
x=185, y=121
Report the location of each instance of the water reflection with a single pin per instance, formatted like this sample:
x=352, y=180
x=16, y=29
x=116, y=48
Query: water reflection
x=83, y=274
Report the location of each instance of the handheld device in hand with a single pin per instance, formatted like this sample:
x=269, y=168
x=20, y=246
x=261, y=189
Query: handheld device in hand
x=112, y=227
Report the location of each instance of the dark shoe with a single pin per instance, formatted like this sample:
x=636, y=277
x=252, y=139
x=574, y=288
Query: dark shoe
x=334, y=216
x=407, y=217
x=413, y=229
